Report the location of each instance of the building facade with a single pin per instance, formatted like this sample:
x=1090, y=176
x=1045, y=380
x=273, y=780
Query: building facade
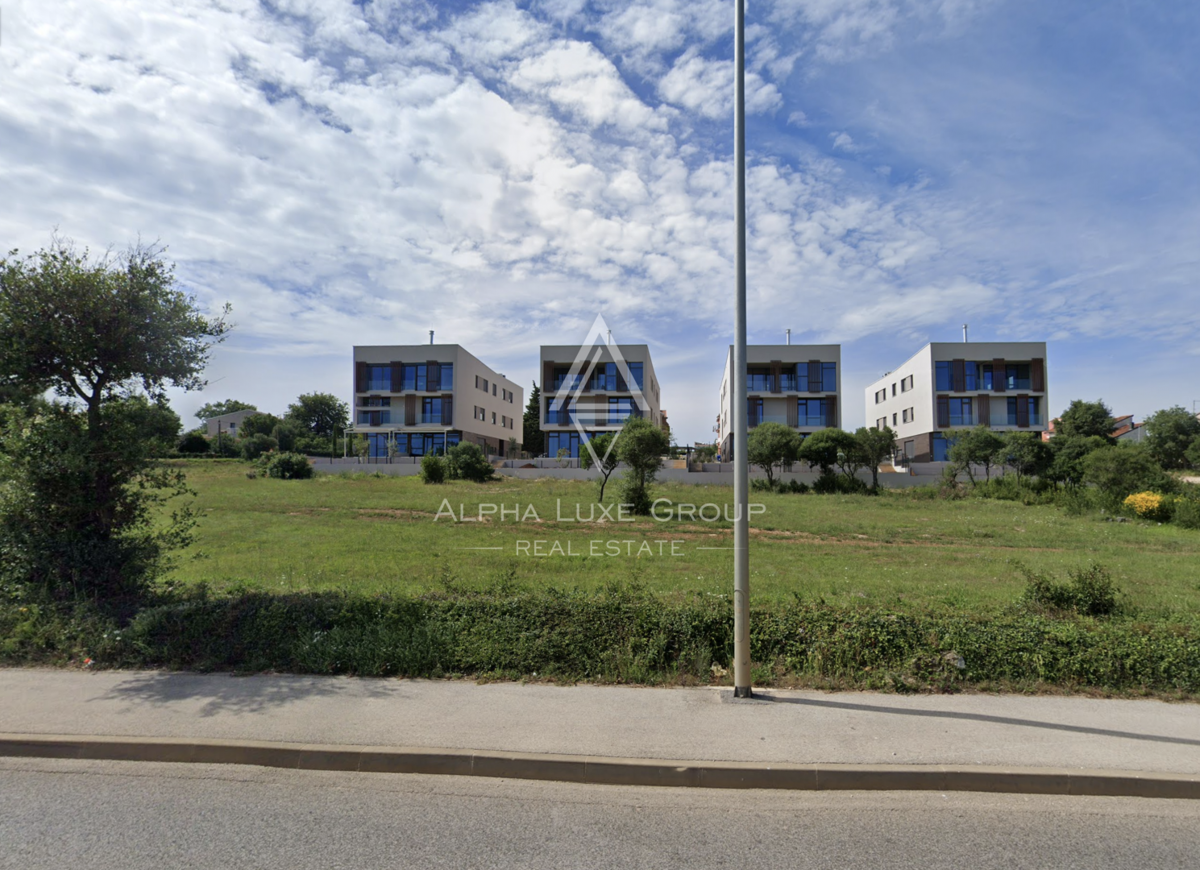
x=797, y=385
x=413, y=400
x=581, y=399
x=953, y=385
x=227, y=424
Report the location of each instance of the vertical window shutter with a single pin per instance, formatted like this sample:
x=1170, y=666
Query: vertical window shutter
x=814, y=376
x=943, y=412
x=433, y=376
x=410, y=410
x=999, y=378
x=958, y=376
x=621, y=385
x=1037, y=375
x=793, y=412
x=776, y=376
x=547, y=377
x=831, y=411
x=447, y=411
x=1023, y=412
x=360, y=377
x=983, y=407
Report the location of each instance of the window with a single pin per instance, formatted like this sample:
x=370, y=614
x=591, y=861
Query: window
x=754, y=412
x=759, y=381
x=802, y=377
x=559, y=412
x=906, y=384
x=493, y=418
x=375, y=402
x=893, y=419
x=985, y=377
x=619, y=410
x=493, y=389
x=561, y=380
x=1033, y=408
x=431, y=410
x=960, y=412
x=909, y=414
x=970, y=376
x=481, y=383
x=635, y=371
x=881, y=422
x=893, y=389
x=447, y=376
x=480, y=413
x=787, y=381
x=940, y=447
x=604, y=378
x=1017, y=376
x=413, y=377
x=379, y=378
x=812, y=412
x=880, y=396
x=568, y=441
x=829, y=377
x=942, y=372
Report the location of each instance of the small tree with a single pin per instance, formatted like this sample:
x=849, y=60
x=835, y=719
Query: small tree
x=602, y=446
x=1172, y=433
x=1068, y=455
x=769, y=445
x=640, y=445
x=433, y=469
x=1120, y=471
x=322, y=417
x=875, y=446
x=972, y=447
x=1026, y=454
x=820, y=450
x=1086, y=419
x=258, y=424
x=465, y=461
x=256, y=445
x=531, y=423
x=218, y=409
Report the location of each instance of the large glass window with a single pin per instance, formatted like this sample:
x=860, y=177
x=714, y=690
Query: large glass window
x=942, y=372
x=971, y=376
x=941, y=447
x=812, y=412
x=635, y=371
x=402, y=444
x=787, y=381
x=604, y=378
x=1018, y=376
x=619, y=410
x=1035, y=411
x=379, y=378
x=829, y=377
x=447, y=376
x=960, y=413
x=431, y=410
x=754, y=412
x=802, y=377
x=414, y=377
x=568, y=441
x=761, y=382
x=561, y=380
x=986, y=381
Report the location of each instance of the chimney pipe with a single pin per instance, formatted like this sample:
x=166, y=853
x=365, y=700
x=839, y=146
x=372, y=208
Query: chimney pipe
x=610, y=336
x=964, y=333
x=431, y=336
x=789, y=336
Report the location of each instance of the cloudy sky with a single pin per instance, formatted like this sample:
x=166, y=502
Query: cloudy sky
x=362, y=171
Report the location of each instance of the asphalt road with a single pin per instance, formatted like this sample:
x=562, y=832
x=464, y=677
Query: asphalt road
x=74, y=814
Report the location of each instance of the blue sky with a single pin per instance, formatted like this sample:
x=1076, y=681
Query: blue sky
x=361, y=172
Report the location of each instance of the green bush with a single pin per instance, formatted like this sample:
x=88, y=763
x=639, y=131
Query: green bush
x=1089, y=591
x=288, y=466
x=1187, y=513
x=433, y=469
x=193, y=443
x=256, y=445
x=465, y=461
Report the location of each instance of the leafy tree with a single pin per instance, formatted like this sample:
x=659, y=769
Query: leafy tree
x=1068, y=454
x=1085, y=419
x=286, y=434
x=972, y=447
x=433, y=468
x=875, y=446
x=322, y=415
x=465, y=461
x=534, y=438
x=258, y=424
x=769, y=445
x=156, y=422
x=602, y=445
x=1193, y=454
x=820, y=450
x=1026, y=454
x=640, y=445
x=1121, y=470
x=253, y=446
x=92, y=329
x=1172, y=432
x=218, y=409
x=193, y=442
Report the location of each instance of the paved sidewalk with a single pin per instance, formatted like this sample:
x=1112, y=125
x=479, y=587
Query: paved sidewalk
x=700, y=724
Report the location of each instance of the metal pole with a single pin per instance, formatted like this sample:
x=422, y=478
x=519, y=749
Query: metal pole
x=741, y=468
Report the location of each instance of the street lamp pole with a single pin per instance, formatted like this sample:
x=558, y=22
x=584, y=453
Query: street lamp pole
x=741, y=468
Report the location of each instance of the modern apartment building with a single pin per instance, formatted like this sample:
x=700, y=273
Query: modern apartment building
x=581, y=399
x=425, y=398
x=794, y=384
x=952, y=385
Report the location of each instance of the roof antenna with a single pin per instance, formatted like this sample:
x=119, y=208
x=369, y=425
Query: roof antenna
x=789, y=336
x=431, y=336
x=964, y=333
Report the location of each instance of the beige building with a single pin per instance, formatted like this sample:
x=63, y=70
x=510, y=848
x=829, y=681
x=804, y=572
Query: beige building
x=954, y=385
x=596, y=394
x=794, y=384
x=228, y=425
x=419, y=399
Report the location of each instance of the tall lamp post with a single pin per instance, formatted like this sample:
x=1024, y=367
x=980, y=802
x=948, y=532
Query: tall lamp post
x=741, y=468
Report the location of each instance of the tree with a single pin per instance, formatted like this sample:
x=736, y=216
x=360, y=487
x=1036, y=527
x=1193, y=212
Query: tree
x=1171, y=433
x=609, y=460
x=875, y=446
x=1085, y=419
x=155, y=421
x=81, y=490
x=534, y=439
x=1026, y=454
x=258, y=424
x=820, y=450
x=1121, y=470
x=1068, y=455
x=640, y=445
x=771, y=444
x=322, y=415
x=465, y=461
x=972, y=447
x=218, y=409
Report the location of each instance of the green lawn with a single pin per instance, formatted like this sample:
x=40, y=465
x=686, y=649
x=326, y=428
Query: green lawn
x=374, y=534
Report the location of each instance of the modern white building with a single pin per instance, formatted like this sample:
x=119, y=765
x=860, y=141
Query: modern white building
x=587, y=391
x=794, y=384
x=954, y=385
x=424, y=398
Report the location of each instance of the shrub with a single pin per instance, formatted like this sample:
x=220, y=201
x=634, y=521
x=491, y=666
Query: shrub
x=1187, y=513
x=1149, y=506
x=433, y=469
x=256, y=445
x=465, y=461
x=1089, y=591
x=193, y=443
x=288, y=466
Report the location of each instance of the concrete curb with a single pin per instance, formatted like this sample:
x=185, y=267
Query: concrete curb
x=607, y=771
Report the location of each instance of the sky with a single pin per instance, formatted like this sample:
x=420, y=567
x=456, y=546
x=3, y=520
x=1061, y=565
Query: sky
x=362, y=171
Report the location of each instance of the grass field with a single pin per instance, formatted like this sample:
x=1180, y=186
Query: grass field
x=375, y=534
